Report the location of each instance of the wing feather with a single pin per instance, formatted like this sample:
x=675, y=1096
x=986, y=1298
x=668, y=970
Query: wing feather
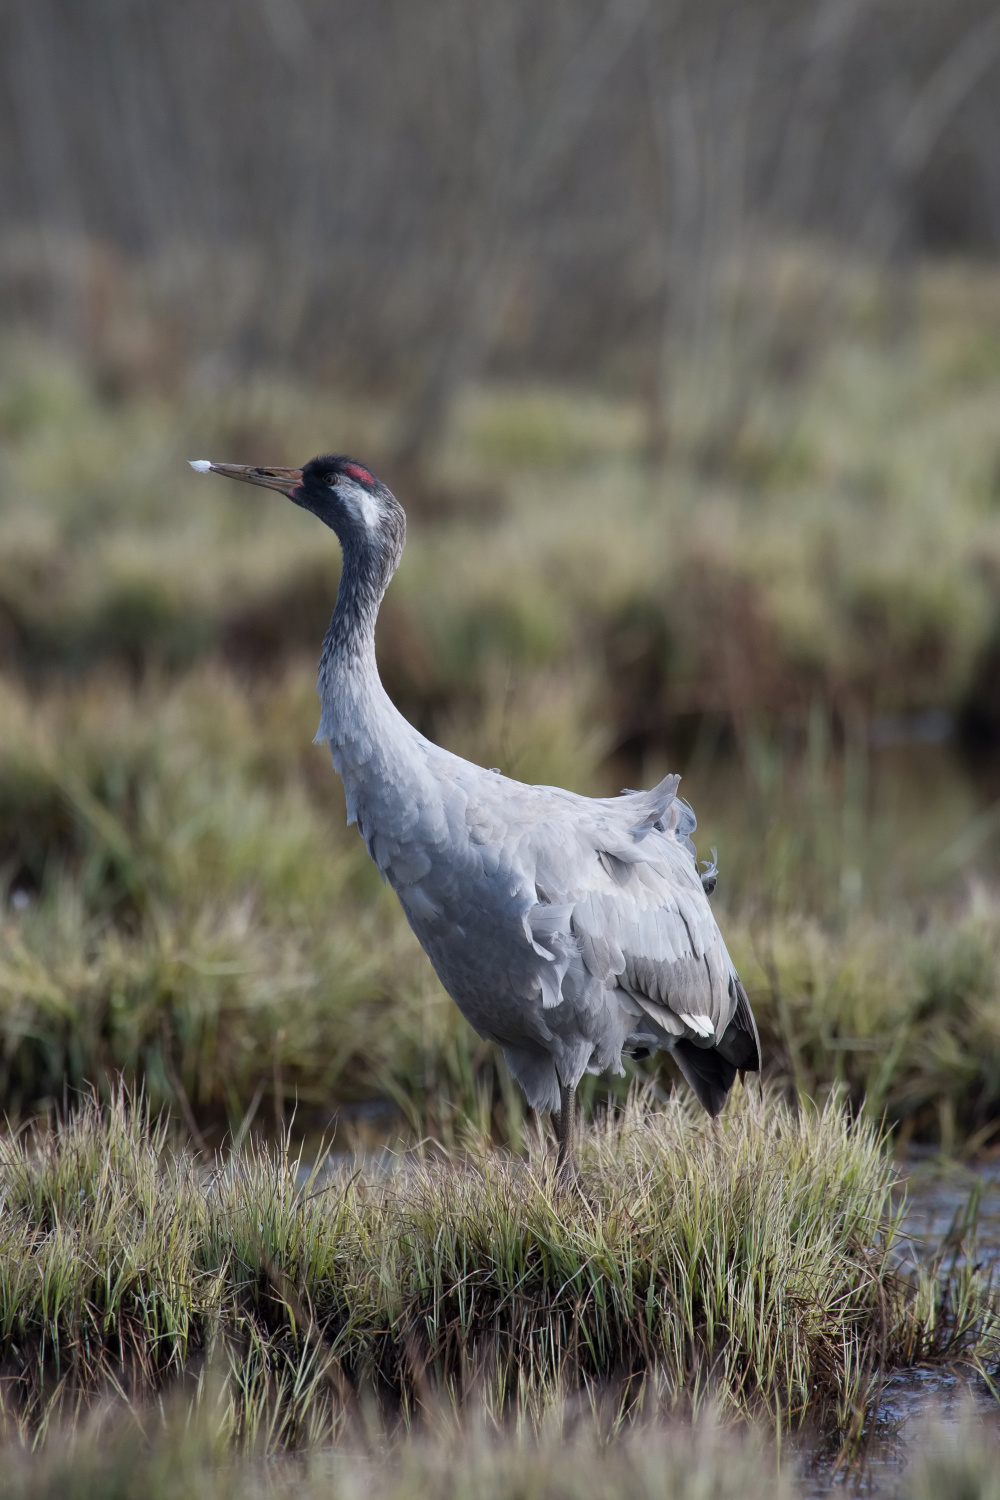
x=650, y=927
x=611, y=888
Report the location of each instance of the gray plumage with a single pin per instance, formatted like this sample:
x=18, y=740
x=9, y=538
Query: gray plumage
x=567, y=929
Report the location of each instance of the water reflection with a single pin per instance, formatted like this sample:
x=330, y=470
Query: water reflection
x=937, y=1199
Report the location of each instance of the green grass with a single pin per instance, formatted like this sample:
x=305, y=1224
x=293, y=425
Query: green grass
x=747, y=1266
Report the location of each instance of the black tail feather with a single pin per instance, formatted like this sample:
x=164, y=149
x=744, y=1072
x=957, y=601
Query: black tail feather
x=739, y=1043
x=710, y=1075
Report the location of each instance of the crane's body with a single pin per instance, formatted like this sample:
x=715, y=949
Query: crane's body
x=567, y=929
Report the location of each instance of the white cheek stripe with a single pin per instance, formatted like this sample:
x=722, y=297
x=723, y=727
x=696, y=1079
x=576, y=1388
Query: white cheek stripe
x=357, y=499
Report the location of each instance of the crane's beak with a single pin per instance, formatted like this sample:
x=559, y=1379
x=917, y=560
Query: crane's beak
x=285, y=480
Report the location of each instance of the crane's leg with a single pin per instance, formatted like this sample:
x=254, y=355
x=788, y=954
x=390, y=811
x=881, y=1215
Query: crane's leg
x=565, y=1164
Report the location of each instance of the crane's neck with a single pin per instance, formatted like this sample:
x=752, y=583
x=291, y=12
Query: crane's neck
x=364, y=579
x=356, y=710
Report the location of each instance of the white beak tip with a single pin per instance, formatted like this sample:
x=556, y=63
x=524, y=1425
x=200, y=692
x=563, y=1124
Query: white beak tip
x=200, y=465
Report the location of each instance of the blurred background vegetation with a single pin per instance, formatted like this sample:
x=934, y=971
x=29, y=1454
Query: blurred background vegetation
x=676, y=327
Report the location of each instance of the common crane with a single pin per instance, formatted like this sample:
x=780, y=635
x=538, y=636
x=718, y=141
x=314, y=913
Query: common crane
x=567, y=929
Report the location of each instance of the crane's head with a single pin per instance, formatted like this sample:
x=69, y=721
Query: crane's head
x=340, y=491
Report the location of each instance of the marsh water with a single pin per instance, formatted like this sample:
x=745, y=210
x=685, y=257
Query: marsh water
x=938, y=1194
x=932, y=823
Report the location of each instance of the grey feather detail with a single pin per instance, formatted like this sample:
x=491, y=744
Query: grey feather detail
x=380, y=851
x=536, y=1073
x=687, y=824
x=686, y=982
x=618, y=869
x=409, y=866
x=543, y=923
x=659, y=940
x=596, y=956
x=548, y=928
x=625, y=855
x=662, y=1015
x=550, y=978
x=694, y=924
x=591, y=926
x=657, y=801
x=418, y=905
x=650, y=935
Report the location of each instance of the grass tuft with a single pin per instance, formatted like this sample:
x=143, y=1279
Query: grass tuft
x=748, y=1265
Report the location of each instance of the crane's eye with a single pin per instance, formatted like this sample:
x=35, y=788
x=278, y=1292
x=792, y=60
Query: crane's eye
x=331, y=478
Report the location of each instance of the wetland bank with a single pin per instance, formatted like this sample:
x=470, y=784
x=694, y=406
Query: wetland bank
x=742, y=1273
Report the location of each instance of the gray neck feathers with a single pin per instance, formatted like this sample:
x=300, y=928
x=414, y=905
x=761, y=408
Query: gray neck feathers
x=349, y=685
x=364, y=578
